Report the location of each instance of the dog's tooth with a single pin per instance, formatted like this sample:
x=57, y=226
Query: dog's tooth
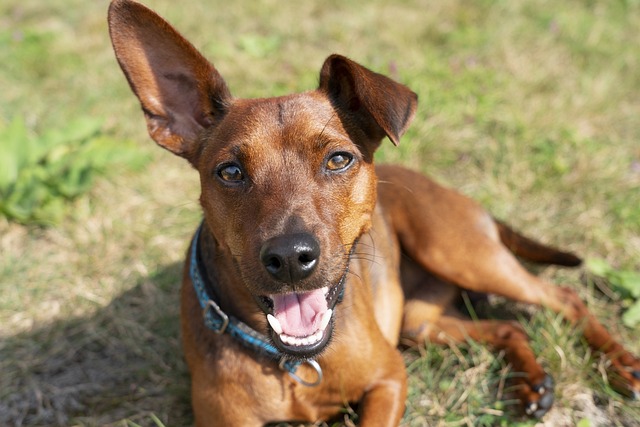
x=286, y=339
x=289, y=340
x=302, y=341
x=326, y=318
x=275, y=324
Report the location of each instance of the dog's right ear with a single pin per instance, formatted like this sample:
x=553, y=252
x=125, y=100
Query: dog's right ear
x=381, y=106
x=181, y=93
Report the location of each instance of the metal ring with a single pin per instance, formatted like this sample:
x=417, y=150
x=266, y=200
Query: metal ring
x=225, y=319
x=311, y=363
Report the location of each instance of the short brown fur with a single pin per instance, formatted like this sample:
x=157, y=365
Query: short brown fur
x=408, y=243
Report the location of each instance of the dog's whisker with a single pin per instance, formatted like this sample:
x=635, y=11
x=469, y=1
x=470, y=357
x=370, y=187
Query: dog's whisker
x=404, y=187
x=371, y=260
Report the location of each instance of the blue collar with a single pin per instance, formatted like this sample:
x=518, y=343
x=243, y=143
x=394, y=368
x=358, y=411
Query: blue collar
x=220, y=322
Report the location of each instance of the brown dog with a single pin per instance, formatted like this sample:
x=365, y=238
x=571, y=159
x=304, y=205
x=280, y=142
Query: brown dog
x=311, y=264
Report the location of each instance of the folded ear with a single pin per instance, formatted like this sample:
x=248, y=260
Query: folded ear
x=380, y=105
x=181, y=93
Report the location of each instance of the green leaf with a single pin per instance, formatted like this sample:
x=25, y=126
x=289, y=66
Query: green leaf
x=40, y=174
x=8, y=166
x=49, y=212
x=626, y=280
x=598, y=266
x=59, y=155
x=82, y=128
x=13, y=151
x=584, y=423
x=77, y=180
x=107, y=152
x=631, y=317
x=28, y=193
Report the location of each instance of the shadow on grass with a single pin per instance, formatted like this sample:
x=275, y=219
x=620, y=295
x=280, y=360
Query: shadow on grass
x=124, y=362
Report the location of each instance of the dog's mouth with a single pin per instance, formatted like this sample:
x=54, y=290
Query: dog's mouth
x=301, y=323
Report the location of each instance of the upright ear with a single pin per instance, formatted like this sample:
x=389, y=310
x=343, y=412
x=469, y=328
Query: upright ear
x=181, y=93
x=380, y=105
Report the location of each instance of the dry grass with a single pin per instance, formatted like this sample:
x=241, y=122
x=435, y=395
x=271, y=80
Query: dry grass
x=530, y=107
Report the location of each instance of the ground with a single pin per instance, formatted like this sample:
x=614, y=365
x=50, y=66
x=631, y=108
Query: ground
x=529, y=107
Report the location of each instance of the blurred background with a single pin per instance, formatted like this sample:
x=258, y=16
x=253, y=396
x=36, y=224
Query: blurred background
x=530, y=107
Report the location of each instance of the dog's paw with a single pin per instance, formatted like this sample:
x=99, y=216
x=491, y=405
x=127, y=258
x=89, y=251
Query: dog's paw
x=538, y=399
x=624, y=377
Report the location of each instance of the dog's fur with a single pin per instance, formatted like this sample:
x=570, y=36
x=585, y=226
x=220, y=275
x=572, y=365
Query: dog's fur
x=293, y=203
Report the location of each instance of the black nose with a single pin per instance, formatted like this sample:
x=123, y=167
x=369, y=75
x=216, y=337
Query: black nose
x=291, y=257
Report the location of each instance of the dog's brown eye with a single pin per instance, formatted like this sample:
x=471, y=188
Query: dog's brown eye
x=339, y=161
x=230, y=173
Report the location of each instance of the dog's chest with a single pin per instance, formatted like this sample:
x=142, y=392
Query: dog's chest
x=378, y=259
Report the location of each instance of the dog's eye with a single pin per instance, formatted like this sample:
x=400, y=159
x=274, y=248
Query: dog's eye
x=339, y=162
x=230, y=173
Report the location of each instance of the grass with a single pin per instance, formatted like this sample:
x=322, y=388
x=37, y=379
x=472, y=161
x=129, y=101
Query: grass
x=530, y=107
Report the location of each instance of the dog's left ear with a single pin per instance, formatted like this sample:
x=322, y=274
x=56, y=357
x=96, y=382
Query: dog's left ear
x=180, y=92
x=379, y=105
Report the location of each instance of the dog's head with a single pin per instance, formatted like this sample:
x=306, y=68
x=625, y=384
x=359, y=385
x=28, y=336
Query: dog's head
x=288, y=183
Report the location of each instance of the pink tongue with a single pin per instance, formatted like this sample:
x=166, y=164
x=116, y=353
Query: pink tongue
x=300, y=314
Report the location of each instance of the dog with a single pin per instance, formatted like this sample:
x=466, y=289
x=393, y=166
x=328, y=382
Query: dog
x=311, y=264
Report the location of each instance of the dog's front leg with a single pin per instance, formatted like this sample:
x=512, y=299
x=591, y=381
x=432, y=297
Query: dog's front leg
x=384, y=405
x=383, y=402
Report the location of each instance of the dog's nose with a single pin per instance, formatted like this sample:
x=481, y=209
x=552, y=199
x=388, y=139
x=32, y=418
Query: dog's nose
x=291, y=257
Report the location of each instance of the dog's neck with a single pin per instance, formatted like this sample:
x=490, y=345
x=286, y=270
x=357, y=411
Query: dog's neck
x=223, y=279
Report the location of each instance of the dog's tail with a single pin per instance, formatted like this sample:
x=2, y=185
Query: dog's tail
x=531, y=250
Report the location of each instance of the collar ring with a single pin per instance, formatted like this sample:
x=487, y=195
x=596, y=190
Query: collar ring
x=210, y=304
x=311, y=362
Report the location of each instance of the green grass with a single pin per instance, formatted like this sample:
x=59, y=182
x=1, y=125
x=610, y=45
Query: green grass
x=530, y=107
